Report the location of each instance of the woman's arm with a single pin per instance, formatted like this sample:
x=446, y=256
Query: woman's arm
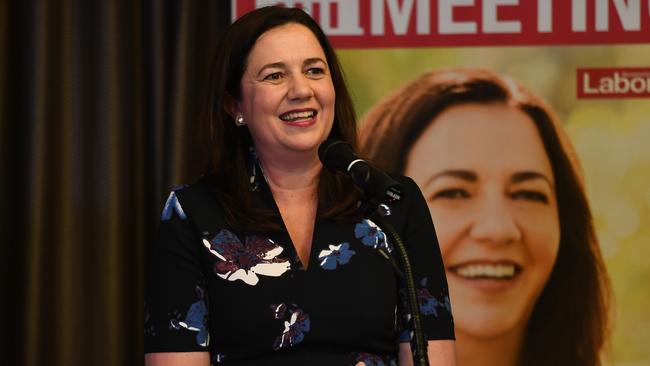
x=177, y=359
x=441, y=353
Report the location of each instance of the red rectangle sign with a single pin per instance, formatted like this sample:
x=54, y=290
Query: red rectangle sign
x=427, y=23
x=626, y=82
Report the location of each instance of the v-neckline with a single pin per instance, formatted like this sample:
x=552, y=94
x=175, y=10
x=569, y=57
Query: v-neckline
x=309, y=258
x=287, y=236
x=302, y=265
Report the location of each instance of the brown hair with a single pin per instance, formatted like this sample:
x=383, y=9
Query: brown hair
x=226, y=146
x=569, y=324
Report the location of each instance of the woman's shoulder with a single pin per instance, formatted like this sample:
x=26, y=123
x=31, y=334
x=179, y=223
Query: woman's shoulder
x=409, y=187
x=206, y=184
x=410, y=197
x=403, y=179
x=198, y=199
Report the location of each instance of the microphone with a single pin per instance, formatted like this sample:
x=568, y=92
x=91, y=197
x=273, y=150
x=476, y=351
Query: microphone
x=338, y=155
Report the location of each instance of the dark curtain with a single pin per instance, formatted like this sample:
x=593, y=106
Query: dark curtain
x=98, y=103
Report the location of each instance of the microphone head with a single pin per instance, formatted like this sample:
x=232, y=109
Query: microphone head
x=336, y=154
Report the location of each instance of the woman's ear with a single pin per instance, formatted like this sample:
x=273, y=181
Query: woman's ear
x=232, y=106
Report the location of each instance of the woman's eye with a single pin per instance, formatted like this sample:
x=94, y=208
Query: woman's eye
x=451, y=194
x=315, y=71
x=273, y=77
x=530, y=196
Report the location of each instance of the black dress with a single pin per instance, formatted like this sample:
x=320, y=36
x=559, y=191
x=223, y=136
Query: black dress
x=247, y=299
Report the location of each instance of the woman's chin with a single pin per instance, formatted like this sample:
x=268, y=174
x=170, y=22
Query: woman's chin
x=305, y=144
x=485, y=321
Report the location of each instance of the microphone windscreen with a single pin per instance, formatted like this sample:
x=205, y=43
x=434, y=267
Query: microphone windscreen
x=336, y=154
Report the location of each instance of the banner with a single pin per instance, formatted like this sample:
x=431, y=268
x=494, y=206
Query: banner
x=589, y=60
x=424, y=23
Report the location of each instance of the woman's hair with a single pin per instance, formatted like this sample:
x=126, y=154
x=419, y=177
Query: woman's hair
x=569, y=324
x=226, y=146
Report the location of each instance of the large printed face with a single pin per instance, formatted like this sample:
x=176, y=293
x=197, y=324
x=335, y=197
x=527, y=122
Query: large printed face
x=490, y=189
x=287, y=92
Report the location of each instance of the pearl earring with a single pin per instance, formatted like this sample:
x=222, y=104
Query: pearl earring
x=239, y=120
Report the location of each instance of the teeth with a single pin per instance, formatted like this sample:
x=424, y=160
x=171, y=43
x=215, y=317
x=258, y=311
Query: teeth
x=498, y=271
x=296, y=115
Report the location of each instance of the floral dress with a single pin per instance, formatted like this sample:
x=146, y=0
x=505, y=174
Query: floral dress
x=247, y=299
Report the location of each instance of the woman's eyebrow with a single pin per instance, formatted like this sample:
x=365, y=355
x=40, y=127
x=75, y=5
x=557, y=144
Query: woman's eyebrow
x=273, y=65
x=454, y=173
x=313, y=60
x=531, y=175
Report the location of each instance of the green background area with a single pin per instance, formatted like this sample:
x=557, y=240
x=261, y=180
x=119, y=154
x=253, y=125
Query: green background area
x=611, y=137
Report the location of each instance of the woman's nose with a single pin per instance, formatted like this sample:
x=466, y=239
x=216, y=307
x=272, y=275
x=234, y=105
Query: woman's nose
x=495, y=223
x=300, y=88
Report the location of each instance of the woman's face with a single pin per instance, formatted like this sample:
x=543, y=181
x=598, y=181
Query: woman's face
x=287, y=92
x=490, y=189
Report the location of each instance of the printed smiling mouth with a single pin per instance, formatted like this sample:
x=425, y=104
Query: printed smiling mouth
x=298, y=116
x=501, y=271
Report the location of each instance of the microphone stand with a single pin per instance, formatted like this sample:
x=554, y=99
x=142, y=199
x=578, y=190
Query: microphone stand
x=377, y=212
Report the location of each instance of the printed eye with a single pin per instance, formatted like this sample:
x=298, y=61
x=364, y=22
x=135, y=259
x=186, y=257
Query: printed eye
x=530, y=196
x=273, y=77
x=454, y=193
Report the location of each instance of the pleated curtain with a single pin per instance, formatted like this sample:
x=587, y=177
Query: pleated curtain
x=98, y=106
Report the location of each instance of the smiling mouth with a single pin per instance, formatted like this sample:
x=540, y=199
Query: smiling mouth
x=298, y=116
x=501, y=271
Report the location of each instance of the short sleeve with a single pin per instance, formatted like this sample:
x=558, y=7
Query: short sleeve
x=176, y=304
x=428, y=269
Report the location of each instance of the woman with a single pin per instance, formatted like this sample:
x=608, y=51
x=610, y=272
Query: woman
x=504, y=187
x=266, y=259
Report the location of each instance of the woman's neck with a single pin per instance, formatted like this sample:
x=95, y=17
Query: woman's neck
x=503, y=350
x=295, y=175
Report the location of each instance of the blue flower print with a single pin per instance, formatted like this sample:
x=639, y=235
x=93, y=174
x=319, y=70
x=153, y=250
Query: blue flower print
x=172, y=205
x=371, y=359
x=428, y=303
x=196, y=319
x=335, y=255
x=294, y=329
x=371, y=235
x=257, y=256
x=195, y=322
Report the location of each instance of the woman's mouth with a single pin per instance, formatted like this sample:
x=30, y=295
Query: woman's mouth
x=299, y=117
x=486, y=271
